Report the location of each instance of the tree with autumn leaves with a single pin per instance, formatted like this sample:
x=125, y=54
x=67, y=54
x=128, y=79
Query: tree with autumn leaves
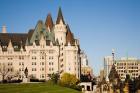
x=69, y=80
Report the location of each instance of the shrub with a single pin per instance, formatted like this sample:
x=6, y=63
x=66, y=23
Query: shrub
x=69, y=80
x=34, y=80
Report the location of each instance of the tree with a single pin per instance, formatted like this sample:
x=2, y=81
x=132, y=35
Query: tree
x=68, y=80
x=137, y=83
x=7, y=72
x=54, y=78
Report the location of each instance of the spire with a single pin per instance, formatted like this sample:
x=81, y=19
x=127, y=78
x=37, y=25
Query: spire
x=60, y=17
x=4, y=29
x=49, y=22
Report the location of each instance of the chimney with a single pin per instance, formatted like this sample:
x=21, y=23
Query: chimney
x=4, y=29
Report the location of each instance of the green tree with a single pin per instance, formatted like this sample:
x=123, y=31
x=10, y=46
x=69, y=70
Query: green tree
x=54, y=78
x=68, y=80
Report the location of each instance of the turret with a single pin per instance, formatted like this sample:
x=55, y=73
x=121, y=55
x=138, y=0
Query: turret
x=60, y=17
x=60, y=28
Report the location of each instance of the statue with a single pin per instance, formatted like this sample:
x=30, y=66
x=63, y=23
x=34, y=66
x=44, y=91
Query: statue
x=26, y=72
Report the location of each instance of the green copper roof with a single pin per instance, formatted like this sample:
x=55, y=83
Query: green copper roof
x=41, y=29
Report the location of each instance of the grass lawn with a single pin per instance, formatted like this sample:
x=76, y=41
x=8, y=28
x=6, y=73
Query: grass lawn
x=34, y=88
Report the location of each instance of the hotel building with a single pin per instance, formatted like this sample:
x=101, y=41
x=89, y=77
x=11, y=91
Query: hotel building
x=48, y=48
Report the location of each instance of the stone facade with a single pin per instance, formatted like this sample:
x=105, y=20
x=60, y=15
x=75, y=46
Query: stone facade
x=46, y=49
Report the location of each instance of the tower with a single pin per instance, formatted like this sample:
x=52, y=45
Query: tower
x=60, y=29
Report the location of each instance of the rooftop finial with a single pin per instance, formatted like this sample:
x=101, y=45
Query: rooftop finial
x=4, y=29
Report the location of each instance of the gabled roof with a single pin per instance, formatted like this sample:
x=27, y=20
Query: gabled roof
x=31, y=31
x=16, y=39
x=60, y=17
x=49, y=21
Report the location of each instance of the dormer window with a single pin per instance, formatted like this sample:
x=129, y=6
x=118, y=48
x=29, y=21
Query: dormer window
x=4, y=46
x=36, y=37
x=15, y=46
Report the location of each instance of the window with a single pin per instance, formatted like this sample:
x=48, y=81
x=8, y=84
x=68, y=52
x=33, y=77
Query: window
x=16, y=46
x=10, y=69
x=42, y=57
x=33, y=57
x=49, y=69
x=61, y=48
x=19, y=69
x=19, y=76
x=61, y=60
x=4, y=46
x=42, y=63
x=50, y=57
x=9, y=63
x=21, y=57
x=43, y=76
x=33, y=69
x=42, y=69
x=49, y=63
x=33, y=63
x=36, y=37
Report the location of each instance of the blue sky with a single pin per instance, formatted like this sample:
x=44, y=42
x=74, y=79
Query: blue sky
x=99, y=24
